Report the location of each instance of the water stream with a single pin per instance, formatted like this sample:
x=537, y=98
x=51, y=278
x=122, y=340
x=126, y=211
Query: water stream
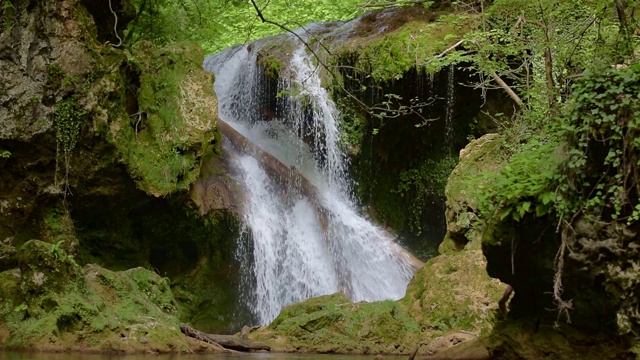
x=450, y=107
x=302, y=245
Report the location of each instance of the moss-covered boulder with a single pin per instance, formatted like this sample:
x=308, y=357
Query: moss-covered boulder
x=171, y=119
x=51, y=303
x=334, y=324
x=449, y=298
x=453, y=292
x=464, y=188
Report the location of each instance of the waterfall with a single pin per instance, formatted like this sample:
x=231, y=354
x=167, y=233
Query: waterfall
x=451, y=102
x=303, y=246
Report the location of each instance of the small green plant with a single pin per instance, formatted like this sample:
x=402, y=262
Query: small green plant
x=57, y=252
x=8, y=14
x=68, y=116
x=55, y=74
x=35, y=100
x=5, y=154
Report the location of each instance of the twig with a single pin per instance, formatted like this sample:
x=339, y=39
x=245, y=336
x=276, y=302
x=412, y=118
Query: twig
x=467, y=332
x=448, y=50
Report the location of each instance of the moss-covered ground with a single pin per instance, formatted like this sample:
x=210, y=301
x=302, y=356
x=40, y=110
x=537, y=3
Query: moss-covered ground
x=52, y=304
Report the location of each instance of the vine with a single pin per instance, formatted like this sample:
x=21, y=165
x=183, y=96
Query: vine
x=68, y=116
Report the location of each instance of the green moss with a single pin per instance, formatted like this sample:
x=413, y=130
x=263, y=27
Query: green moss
x=55, y=74
x=272, y=56
x=333, y=323
x=413, y=45
x=429, y=177
x=271, y=66
x=449, y=294
x=466, y=187
x=452, y=293
x=163, y=143
x=55, y=305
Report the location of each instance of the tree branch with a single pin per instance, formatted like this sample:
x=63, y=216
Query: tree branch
x=506, y=88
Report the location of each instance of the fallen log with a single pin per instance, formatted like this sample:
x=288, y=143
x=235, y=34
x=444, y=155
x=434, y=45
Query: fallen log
x=225, y=342
x=235, y=343
x=199, y=335
x=288, y=176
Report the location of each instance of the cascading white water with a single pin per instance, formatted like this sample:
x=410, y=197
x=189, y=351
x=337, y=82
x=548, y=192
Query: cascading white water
x=303, y=247
x=451, y=102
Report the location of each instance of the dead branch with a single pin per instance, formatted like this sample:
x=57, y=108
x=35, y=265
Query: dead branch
x=506, y=88
x=225, y=342
x=389, y=4
x=115, y=25
x=199, y=335
x=442, y=54
x=413, y=353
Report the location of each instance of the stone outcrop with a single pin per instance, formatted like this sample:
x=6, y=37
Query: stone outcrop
x=97, y=147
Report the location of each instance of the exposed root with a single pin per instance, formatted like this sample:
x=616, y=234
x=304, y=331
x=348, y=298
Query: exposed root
x=563, y=306
x=115, y=26
x=502, y=303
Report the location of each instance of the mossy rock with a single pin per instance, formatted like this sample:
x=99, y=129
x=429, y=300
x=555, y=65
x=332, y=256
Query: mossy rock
x=171, y=120
x=453, y=292
x=387, y=44
x=464, y=188
x=53, y=304
x=334, y=324
x=530, y=339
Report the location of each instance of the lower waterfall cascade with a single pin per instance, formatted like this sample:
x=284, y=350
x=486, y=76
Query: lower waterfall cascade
x=301, y=246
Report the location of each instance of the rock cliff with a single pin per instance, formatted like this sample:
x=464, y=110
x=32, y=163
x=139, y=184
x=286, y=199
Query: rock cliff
x=99, y=143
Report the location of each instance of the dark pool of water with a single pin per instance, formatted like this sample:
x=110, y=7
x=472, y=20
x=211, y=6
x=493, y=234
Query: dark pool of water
x=262, y=356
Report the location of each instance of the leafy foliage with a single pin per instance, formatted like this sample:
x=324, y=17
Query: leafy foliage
x=597, y=173
x=527, y=184
x=430, y=178
x=219, y=24
x=604, y=129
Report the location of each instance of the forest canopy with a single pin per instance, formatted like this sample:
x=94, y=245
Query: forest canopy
x=217, y=24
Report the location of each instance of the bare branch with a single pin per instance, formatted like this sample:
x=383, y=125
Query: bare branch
x=389, y=4
x=506, y=88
